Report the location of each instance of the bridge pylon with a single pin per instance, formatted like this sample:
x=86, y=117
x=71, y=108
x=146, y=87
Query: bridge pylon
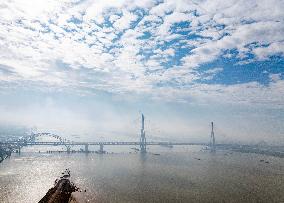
x=212, y=138
x=142, y=136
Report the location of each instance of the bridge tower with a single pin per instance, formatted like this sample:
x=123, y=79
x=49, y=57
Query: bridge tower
x=142, y=136
x=212, y=138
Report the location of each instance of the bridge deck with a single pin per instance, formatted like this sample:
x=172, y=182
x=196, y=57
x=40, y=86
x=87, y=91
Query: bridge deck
x=99, y=143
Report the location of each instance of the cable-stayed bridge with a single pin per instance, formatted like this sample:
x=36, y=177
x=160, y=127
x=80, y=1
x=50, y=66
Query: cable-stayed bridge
x=9, y=146
x=16, y=145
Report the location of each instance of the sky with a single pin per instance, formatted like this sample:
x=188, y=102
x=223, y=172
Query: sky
x=91, y=67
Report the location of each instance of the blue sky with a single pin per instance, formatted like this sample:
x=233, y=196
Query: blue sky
x=194, y=61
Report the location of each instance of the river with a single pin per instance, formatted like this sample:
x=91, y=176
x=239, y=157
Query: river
x=181, y=174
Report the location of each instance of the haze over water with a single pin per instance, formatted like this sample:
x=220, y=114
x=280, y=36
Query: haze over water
x=177, y=175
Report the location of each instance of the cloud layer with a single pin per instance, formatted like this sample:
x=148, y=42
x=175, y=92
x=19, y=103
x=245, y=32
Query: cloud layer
x=155, y=48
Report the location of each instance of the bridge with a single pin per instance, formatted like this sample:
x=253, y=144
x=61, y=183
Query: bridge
x=16, y=145
x=100, y=143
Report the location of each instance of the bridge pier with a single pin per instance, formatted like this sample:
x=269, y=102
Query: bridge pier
x=142, y=137
x=212, y=139
x=68, y=149
x=86, y=148
x=19, y=150
x=101, y=151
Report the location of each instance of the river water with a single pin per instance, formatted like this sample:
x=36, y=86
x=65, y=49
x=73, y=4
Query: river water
x=181, y=174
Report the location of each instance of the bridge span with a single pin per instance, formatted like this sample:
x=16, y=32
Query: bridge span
x=98, y=143
x=16, y=145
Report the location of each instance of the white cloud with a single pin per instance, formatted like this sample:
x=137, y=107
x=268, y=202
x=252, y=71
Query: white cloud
x=125, y=21
x=274, y=48
x=35, y=34
x=170, y=20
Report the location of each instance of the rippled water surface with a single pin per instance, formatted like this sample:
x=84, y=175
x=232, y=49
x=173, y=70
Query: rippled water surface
x=181, y=174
